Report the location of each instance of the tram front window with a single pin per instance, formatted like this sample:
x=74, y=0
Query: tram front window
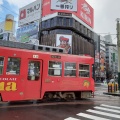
x=84, y=70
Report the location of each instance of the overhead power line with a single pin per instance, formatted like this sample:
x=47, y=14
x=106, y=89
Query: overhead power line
x=108, y=33
x=9, y=9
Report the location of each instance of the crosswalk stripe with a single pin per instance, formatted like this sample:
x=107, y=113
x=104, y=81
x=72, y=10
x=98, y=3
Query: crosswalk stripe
x=110, y=106
x=91, y=116
x=70, y=118
x=107, y=109
x=103, y=113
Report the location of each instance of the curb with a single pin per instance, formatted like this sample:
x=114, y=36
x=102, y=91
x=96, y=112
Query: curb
x=99, y=84
x=114, y=94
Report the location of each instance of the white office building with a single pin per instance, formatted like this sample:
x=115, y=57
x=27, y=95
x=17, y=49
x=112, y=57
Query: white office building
x=111, y=57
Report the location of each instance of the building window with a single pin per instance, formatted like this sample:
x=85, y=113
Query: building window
x=67, y=22
x=84, y=70
x=13, y=66
x=60, y=21
x=70, y=69
x=71, y=22
x=33, y=70
x=52, y=22
x=55, y=68
x=64, y=22
x=1, y=65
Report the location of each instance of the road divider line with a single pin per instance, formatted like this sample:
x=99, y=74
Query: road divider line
x=91, y=116
x=110, y=106
x=107, y=109
x=103, y=113
x=70, y=118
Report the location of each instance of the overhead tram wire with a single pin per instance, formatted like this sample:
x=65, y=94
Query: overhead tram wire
x=12, y=11
x=17, y=15
x=107, y=33
x=27, y=21
x=1, y=18
x=9, y=9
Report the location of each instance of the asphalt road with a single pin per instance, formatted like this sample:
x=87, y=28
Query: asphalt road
x=101, y=107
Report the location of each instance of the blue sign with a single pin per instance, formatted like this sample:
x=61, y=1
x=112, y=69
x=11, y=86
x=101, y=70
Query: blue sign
x=27, y=32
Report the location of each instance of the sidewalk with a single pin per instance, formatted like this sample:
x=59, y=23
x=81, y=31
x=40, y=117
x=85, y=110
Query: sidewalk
x=117, y=93
x=114, y=94
x=99, y=84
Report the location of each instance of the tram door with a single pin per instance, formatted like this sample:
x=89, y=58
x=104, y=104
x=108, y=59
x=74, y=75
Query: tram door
x=33, y=84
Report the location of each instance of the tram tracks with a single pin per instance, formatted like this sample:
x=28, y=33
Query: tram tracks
x=4, y=105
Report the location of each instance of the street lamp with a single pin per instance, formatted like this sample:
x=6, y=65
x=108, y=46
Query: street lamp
x=118, y=44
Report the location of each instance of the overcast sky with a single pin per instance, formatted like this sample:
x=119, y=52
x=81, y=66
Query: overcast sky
x=105, y=13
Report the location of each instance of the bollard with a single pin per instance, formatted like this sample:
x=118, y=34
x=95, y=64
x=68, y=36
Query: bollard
x=116, y=86
x=113, y=87
x=109, y=87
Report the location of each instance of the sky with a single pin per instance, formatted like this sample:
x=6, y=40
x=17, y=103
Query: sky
x=105, y=14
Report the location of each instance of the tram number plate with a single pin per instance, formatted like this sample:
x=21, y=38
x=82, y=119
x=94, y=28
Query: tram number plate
x=35, y=56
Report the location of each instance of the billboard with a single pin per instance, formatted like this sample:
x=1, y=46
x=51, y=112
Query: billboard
x=64, y=41
x=27, y=33
x=7, y=26
x=97, y=56
x=83, y=10
x=85, y=13
x=70, y=5
x=30, y=13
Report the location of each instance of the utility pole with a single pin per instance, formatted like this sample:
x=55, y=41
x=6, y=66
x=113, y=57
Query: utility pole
x=118, y=44
x=40, y=22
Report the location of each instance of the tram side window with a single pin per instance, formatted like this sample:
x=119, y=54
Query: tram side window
x=13, y=66
x=34, y=70
x=55, y=68
x=84, y=70
x=1, y=65
x=70, y=69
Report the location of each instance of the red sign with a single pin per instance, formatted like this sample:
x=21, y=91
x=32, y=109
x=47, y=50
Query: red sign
x=22, y=14
x=84, y=11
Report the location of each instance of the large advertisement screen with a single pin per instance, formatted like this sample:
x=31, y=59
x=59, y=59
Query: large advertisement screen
x=64, y=41
x=30, y=13
x=27, y=33
x=70, y=5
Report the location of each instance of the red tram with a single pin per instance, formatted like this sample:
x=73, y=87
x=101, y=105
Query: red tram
x=34, y=75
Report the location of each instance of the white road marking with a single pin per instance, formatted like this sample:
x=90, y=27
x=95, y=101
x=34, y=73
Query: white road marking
x=107, y=109
x=70, y=118
x=103, y=113
x=91, y=116
x=110, y=106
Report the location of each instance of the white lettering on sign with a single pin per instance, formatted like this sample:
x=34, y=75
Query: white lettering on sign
x=86, y=8
x=85, y=17
x=47, y=3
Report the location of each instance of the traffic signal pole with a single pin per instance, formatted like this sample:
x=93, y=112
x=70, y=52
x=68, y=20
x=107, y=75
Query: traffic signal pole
x=118, y=44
